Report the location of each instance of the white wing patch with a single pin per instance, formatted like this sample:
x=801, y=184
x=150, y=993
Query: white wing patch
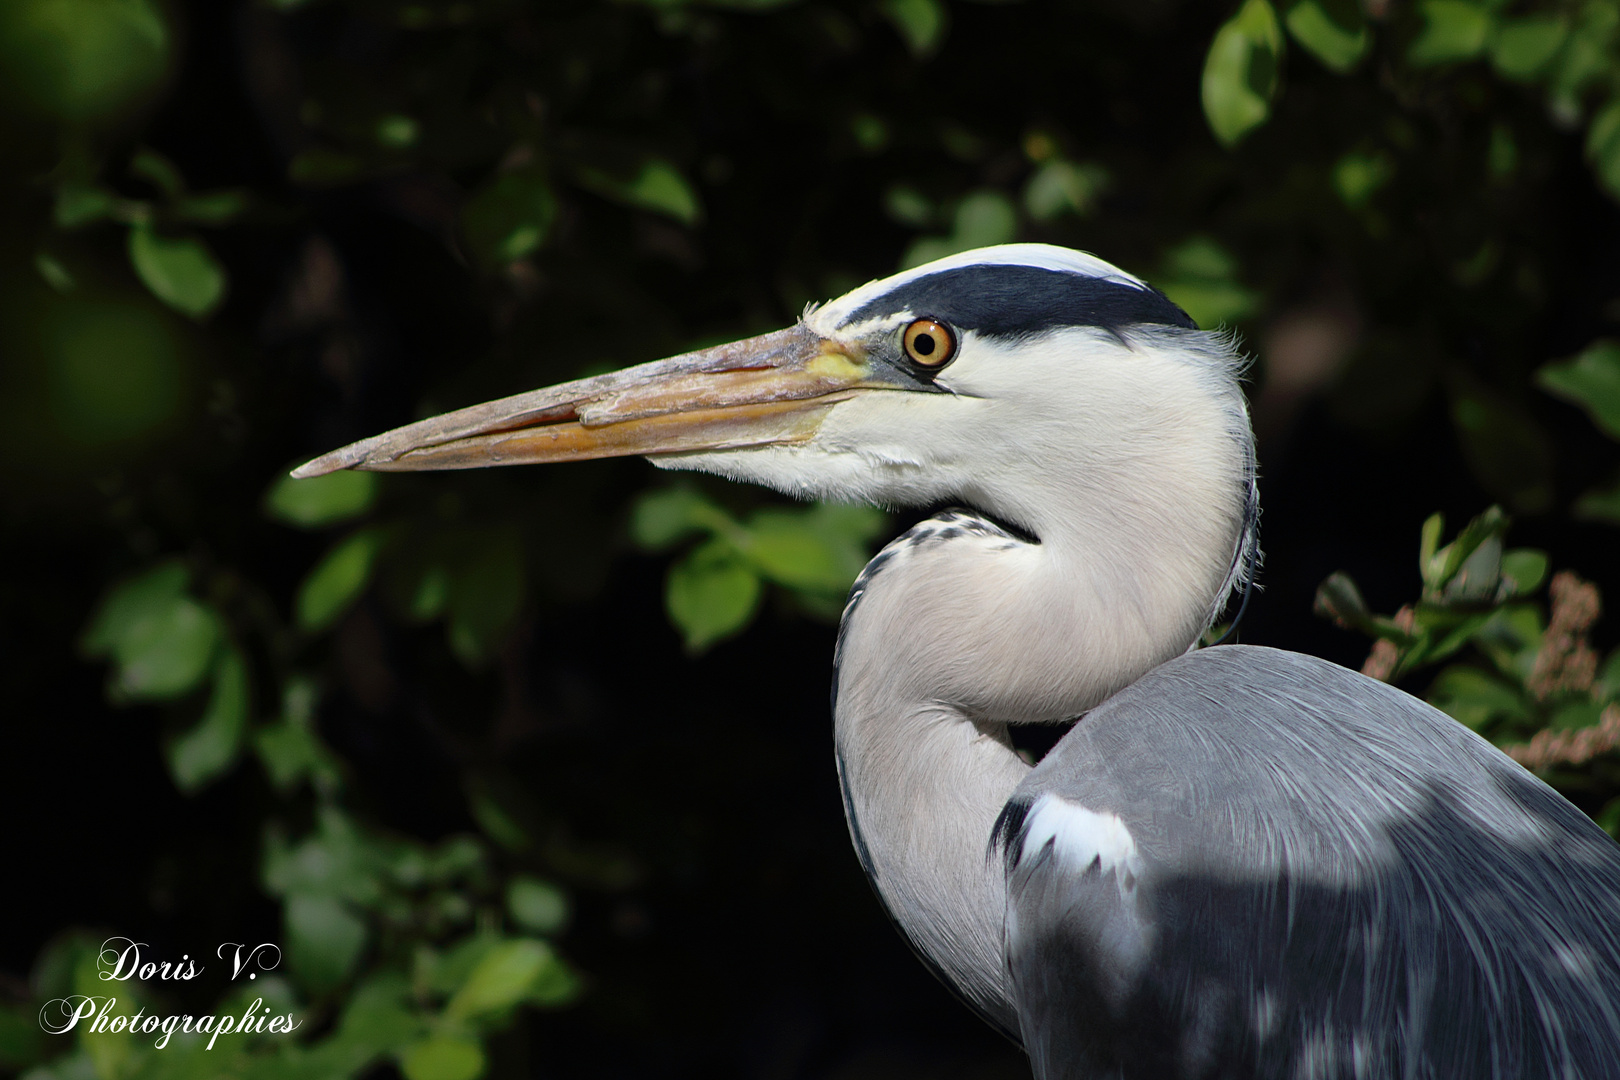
x=1081, y=838
x=1062, y=844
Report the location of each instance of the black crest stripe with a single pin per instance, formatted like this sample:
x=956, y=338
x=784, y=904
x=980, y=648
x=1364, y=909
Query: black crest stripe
x=1005, y=300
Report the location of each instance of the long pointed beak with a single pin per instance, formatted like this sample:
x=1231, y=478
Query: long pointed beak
x=776, y=388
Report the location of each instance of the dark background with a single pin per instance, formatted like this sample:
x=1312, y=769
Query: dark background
x=687, y=805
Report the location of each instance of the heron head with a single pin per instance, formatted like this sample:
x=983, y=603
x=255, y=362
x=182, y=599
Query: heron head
x=1025, y=379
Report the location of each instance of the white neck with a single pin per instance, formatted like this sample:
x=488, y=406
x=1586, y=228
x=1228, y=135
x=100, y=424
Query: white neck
x=958, y=630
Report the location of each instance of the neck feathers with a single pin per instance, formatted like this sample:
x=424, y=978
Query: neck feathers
x=1132, y=490
x=961, y=627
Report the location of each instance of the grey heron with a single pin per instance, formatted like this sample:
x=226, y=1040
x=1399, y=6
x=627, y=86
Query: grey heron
x=1239, y=861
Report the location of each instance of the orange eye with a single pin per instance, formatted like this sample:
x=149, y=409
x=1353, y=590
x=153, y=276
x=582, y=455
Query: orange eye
x=929, y=343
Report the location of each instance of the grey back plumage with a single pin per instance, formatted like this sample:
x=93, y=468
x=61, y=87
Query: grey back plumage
x=1254, y=863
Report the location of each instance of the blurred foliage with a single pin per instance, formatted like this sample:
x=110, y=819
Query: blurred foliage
x=1240, y=76
x=1531, y=681
x=1536, y=685
x=712, y=591
x=236, y=235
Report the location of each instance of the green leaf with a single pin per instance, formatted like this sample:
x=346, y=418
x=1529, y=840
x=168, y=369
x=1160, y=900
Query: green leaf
x=871, y=134
x=1339, y=599
x=1201, y=278
x=432, y=592
x=661, y=188
x=1358, y=176
x=927, y=249
x=921, y=23
x=1522, y=49
x=1475, y=697
x=1603, y=147
x=1526, y=568
x=1429, y=543
x=1469, y=565
x=289, y=753
x=711, y=594
x=211, y=747
x=509, y=217
x=456, y=858
x=415, y=578
x=445, y=972
x=378, y=1019
x=1608, y=819
x=787, y=548
x=1607, y=686
x=118, y=374
x=336, y=581
x=908, y=206
x=157, y=170
x=501, y=979
x=1201, y=258
x=324, y=939
x=397, y=131
x=166, y=653
x=1478, y=575
x=848, y=522
x=1590, y=380
x=321, y=500
x=443, y=1057
x=180, y=270
x=1447, y=639
x=1060, y=187
x=131, y=601
x=497, y=822
x=78, y=205
x=985, y=218
x=661, y=518
x=981, y=219
x=536, y=905
x=1576, y=715
x=211, y=207
x=56, y=275
x=1455, y=30
x=557, y=984
x=1333, y=31
x=1240, y=72
x=1586, y=59
x=1599, y=505
x=338, y=860
x=82, y=62
x=1210, y=303
x=22, y=1040
x=1511, y=637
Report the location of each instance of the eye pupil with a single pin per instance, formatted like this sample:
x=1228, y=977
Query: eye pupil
x=929, y=343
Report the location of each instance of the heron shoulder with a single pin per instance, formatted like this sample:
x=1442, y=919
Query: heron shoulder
x=1311, y=844
x=1305, y=747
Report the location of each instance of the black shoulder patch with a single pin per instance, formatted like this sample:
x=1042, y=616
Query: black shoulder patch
x=1007, y=835
x=1004, y=300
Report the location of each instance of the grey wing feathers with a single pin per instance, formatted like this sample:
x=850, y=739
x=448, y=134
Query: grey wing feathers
x=1253, y=863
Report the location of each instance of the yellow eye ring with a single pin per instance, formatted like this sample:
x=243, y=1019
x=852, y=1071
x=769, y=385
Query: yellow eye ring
x=929, y=343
